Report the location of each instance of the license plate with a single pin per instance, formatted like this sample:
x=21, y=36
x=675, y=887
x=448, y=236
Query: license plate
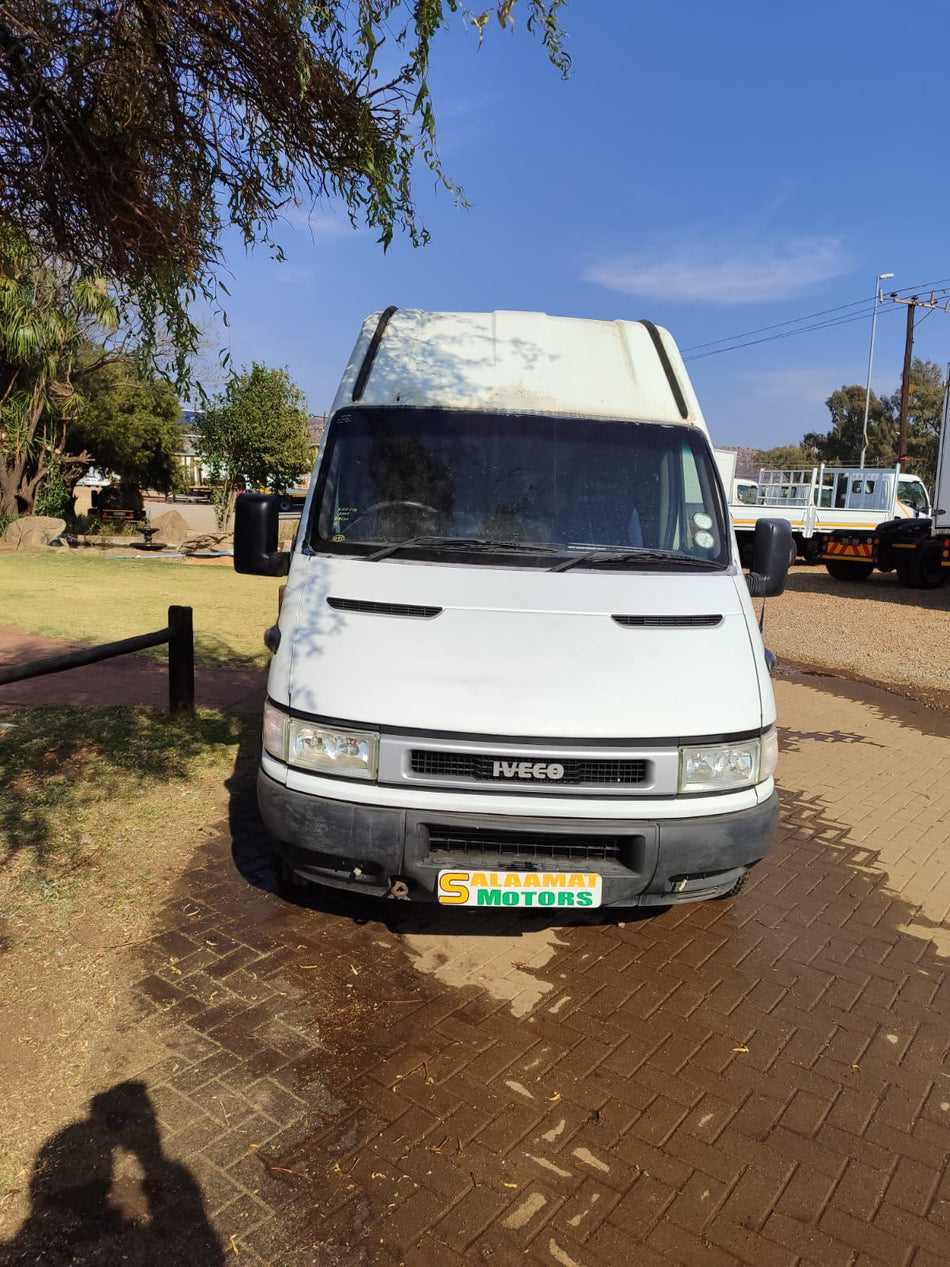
x=546, y=889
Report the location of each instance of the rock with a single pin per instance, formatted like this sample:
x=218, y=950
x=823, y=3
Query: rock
x=172, y=528
x=33, y=532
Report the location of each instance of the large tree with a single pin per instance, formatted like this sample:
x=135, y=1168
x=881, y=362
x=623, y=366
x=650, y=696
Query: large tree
x=842, y=444
x=47, y=315
x=131, y=134
x=255, y=431
x=128, y=423
x=787, y=456
x=924, y=417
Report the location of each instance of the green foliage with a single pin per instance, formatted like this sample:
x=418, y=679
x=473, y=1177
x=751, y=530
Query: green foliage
x=841, y=446
x=129, y=424
x=255, y=430
x=924, y=418
x=134, y=134
x=787, y=457
x=46, y=315
x=54, y=496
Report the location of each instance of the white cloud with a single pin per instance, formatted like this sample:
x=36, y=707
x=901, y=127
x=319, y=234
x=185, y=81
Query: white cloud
x=724, y=274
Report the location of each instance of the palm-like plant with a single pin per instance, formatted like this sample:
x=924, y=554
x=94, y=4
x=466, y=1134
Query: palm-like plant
x=47, y=312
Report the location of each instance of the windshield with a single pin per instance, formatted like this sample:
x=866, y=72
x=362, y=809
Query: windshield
x=519, y=489
x=913, y=495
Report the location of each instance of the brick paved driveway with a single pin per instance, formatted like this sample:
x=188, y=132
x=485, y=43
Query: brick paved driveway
x=762, y=1080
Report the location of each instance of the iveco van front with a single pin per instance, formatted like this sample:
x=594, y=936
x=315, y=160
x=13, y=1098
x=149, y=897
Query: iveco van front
x=516, y=661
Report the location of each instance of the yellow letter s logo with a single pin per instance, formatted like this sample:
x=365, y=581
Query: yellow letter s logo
x=453, y=888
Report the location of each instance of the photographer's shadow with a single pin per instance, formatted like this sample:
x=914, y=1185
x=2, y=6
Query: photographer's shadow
x=103, y=1192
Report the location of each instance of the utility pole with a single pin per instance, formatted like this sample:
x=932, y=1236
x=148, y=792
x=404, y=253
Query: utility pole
x=911, y=303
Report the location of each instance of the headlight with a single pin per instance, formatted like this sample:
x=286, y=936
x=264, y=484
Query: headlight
x=313, y=746
x=719, y=767
x=329, y=751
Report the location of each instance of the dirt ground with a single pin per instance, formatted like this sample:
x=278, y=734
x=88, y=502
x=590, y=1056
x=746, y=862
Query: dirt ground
x=874, y=631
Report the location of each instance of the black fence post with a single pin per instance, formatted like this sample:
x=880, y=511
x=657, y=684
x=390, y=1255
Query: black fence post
x=181, y=661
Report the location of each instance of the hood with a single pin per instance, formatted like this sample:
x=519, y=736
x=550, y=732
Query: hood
x=518, y=652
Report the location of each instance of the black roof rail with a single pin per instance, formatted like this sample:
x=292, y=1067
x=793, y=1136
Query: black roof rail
x=668, y=368
x=363, y=376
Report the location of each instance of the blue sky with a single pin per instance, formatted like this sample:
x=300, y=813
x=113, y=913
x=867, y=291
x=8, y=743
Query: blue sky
x=718, y=168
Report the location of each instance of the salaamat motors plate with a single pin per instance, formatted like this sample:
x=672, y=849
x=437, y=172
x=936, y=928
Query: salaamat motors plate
x=519, y=888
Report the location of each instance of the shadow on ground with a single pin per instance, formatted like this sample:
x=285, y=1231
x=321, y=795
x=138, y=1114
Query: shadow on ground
x=103, y=1192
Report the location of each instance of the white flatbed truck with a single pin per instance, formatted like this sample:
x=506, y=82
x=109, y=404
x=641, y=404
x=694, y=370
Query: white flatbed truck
x=822, y=502
x=918, y=548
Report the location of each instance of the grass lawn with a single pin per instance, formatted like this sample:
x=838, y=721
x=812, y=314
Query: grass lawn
x=98, y=804
x=93, y=600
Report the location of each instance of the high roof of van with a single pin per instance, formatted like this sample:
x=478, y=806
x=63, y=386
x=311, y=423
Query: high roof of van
x=519, y=362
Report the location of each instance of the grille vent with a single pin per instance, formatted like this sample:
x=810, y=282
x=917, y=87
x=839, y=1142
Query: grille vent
x=668, y=622
x=526, y=845
x=480, y=768
x=383, y=609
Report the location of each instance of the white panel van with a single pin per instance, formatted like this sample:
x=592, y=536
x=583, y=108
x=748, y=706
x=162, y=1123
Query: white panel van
x=516, y=662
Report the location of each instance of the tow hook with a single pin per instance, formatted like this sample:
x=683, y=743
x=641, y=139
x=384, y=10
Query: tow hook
x=399, y=888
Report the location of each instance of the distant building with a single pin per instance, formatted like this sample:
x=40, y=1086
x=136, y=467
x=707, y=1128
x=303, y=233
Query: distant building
x=316, y=425
x=193, y=468
x=187, y=453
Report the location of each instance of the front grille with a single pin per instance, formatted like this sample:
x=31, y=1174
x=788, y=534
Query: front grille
x=480, y=768
x=669, y=622
x=525, y=845
x=383, y=609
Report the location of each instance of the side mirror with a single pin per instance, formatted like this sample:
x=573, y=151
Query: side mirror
x=771, y=553
x=257, y=536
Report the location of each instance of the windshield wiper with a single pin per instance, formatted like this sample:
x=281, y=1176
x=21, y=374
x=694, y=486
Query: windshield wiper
x=457, y=543
x=634, y=556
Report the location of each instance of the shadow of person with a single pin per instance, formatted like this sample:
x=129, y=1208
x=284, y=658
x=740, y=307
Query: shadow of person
x=103, y=1192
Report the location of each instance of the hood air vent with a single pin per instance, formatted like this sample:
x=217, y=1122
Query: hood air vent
x=383, y=609
x=668, y=622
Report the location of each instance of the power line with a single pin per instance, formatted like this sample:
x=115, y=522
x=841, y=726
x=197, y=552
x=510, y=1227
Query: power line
x=787, y=334
x=762, y=329
x=695, y=352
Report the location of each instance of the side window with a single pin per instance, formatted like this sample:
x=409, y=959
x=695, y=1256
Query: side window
x=696, y=528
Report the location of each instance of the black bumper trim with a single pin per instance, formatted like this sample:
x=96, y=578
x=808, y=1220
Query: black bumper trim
x=364, y=848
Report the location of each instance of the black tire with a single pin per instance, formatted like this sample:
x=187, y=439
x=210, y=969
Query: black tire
x=904, y=569
x=924, y=566
x=846, y=570
x=792, y=551
x=288, y=881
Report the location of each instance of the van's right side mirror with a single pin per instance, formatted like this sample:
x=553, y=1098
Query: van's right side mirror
x=256, y=536
x=771, y=554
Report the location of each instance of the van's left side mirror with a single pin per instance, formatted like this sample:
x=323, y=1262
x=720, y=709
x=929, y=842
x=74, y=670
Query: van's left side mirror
x=257, y=536
x=771, y=553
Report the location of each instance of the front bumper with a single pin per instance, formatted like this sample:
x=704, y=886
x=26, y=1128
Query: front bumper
x=369, y=848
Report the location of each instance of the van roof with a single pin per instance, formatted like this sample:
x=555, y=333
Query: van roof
x=519, y=362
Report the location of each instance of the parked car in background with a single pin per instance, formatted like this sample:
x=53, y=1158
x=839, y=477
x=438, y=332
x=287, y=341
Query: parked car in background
x=94, y=478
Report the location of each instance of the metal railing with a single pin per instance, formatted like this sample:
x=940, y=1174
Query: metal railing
x=179, y=634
